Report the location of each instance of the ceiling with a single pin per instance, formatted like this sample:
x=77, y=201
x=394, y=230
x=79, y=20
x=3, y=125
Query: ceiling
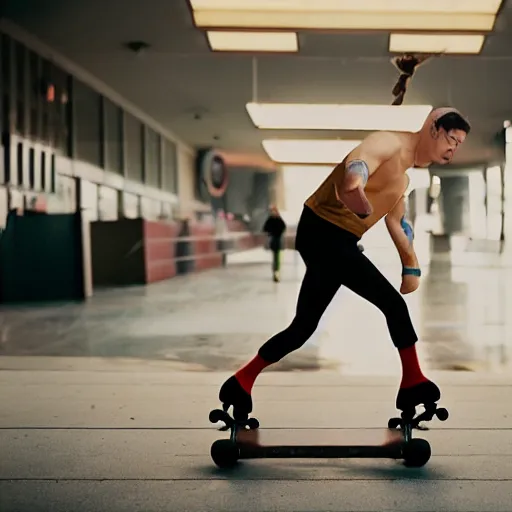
x=179, y=76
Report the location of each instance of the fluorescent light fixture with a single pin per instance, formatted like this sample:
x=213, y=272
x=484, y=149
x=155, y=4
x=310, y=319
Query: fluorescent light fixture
x=308, y=151
x=253, y=41
x=303, y=116
x=338, y=20
x=402, y=6
x=436, y=43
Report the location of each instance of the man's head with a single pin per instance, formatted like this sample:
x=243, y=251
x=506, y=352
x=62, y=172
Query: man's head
x=274, y=212
x=444, y=130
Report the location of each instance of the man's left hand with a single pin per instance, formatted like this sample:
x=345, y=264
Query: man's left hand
x=410, y=284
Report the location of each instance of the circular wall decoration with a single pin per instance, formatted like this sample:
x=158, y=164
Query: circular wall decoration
x=214, y=173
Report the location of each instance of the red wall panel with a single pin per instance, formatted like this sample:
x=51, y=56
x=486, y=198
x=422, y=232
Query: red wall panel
x=204, y=246
x=159, y=241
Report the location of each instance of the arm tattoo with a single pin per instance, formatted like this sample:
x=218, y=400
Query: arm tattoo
x=406, y=226
x=359, y=168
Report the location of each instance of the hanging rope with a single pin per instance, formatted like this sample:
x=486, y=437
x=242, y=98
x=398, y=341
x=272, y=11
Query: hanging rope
x=407, y=65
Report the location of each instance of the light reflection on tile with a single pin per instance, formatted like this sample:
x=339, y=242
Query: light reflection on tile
x=216, y=320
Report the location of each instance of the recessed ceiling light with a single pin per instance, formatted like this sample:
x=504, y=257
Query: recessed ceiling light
x=394, y=6
x=289, y=116
x=308, y=151
x=253, y=41
x=436, y=43
x=337, y=20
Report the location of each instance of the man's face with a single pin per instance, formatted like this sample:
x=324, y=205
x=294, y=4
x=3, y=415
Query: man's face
x=446, y=144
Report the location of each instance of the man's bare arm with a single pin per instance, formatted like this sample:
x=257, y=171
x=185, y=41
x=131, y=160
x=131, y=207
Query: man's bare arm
x=402, y=235
x=361, y=163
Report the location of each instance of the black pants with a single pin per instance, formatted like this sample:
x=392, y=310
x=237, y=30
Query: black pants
x=333, y=259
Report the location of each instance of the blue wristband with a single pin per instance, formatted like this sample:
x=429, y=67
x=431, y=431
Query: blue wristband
x=408, y=271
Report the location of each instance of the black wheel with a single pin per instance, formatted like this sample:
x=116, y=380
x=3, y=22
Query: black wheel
x=416, y=453
x=253, y=423
x=224, y=453
x=442, y=414
x=394, y=423
x=217, y=415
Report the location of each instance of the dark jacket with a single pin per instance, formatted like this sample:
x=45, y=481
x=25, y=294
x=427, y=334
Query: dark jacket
x=274, y=227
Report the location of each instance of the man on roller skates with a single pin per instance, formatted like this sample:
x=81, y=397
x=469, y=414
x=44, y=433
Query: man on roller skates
x=367, y=186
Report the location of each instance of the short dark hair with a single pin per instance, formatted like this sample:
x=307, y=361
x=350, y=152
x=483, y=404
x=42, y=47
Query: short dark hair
x=453, y=121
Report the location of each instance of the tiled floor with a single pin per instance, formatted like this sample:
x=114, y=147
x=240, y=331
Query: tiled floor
x=218, y=319
x=129, y=430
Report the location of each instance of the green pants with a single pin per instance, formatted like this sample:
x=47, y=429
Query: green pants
x=276, y=260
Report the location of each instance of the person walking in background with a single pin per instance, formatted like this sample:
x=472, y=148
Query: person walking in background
x=275, y=227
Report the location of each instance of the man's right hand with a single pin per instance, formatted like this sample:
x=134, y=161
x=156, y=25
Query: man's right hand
x=356, y=201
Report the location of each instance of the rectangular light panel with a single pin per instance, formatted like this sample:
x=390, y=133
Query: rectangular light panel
x=308, y=151
x=253, y=41
x=303, y=116
x=338, y=20
x=436, y=43
x=404, y=6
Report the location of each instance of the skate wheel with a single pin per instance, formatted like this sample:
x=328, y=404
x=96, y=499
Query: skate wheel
x=416, y=453
x=224, y=453
x=217, y=415
x=394, y=423
x=253, y=423
x=442, y=414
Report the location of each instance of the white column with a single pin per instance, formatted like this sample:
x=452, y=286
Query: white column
x=508, y=190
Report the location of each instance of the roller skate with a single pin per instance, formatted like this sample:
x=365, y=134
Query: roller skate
x=421, y=394
x=425, y=394
x=232, y=394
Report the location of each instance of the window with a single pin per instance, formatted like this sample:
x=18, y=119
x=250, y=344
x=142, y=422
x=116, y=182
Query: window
x=5, y=80
x=153, y=158
x=19, y=159
x=113, y=137
x=35, y=96
x=170, y=167
x=43, y=170
x=5, y=103
x=53, y=175
x=57, y=97
x=44, y=92
x=6, y=62
x=21, y=83
x=87, y=124
x=134, y=157
x=31, y=168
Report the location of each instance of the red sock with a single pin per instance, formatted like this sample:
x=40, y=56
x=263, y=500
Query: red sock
x=411, y=371
x=248, y=373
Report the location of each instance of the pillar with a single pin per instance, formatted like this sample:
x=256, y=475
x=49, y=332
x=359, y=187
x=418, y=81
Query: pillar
x=507, y=184
x=454, y=204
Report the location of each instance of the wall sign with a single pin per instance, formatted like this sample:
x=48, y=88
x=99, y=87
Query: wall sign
x=213, y=174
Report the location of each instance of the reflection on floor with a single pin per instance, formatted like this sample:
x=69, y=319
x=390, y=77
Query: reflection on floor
x=218, y=319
